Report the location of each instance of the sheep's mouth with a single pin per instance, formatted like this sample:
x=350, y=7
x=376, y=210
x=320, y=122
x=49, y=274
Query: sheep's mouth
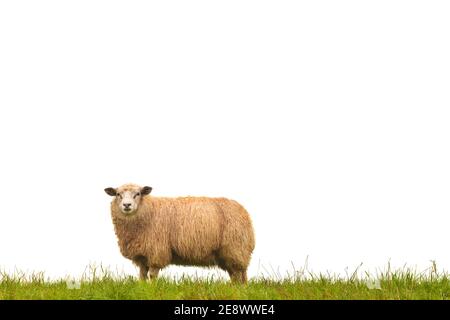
x=127, y=210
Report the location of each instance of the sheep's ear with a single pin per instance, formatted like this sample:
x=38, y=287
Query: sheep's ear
x=146, y=190
x=111, y=191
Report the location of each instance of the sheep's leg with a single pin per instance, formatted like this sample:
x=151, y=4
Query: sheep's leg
x=153, y=272
x=243, y=277
x=143, y=272
x=238, y=276
x=235, y=268
x=141, y=263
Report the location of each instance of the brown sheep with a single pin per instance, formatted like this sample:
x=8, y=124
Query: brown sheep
x=155, y=232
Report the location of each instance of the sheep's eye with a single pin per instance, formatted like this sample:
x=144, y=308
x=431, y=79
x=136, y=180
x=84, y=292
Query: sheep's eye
x=119, y=195
x=137, y=195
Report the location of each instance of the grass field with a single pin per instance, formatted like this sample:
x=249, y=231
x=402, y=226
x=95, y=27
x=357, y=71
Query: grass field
x=399, y=284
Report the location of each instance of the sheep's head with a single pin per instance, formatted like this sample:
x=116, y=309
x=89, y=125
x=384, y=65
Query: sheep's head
x=128, y=197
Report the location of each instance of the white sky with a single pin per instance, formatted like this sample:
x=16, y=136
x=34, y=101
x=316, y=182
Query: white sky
x=328, y=120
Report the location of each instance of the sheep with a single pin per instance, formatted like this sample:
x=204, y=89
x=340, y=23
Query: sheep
x=155, y=232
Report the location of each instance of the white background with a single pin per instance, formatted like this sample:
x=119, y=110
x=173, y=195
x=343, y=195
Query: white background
x=328, y=120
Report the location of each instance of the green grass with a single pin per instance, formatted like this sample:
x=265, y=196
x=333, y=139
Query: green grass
x=400, y=284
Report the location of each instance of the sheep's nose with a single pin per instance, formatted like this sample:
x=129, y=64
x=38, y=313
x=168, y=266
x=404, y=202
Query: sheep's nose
x=127, y=205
